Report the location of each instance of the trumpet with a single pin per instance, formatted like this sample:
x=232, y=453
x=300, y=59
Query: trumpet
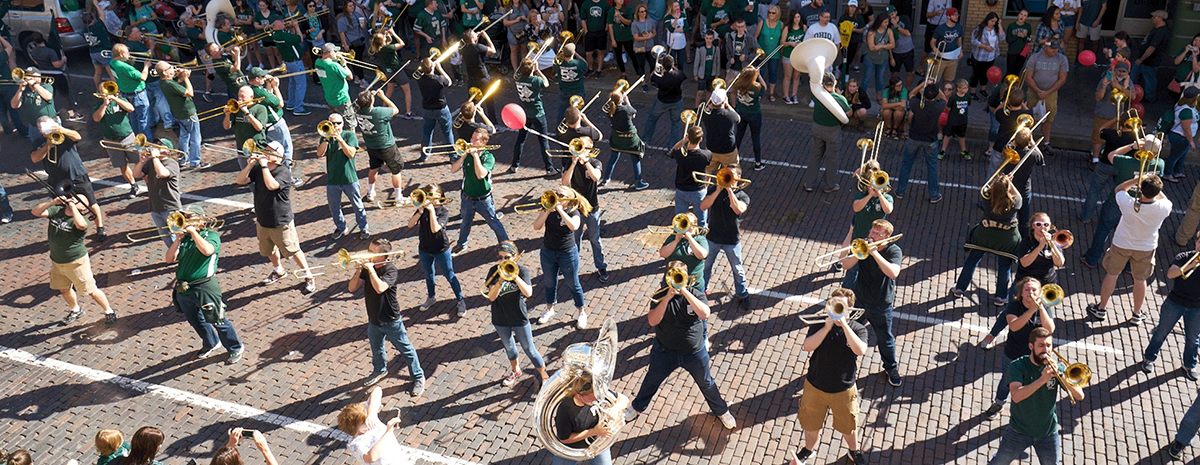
x=576, y=148
x=478, y=97
x=577, y=102
x=622, y=87
x=723, y=179
x=835, y=310
x=460, y=148
x=1192, y=263
x=108, y=89
x=507, y=270
x=680, y=224
x=677, y=277
x=560, y=57
x=859, y=247
x=345, y=260
x=437, y=56
x=325, y=129
x=547, y=202
x=419, y=198
x=1062, y=238
x=1076, y=374
x=176, y=223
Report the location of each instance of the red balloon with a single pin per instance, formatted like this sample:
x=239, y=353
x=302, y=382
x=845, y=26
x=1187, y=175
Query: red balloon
x=1141, y=110
x=165, y=11
x=1087, y=58
x=945, y=118
x=1138, y=93
x=994, y=74
x=513, y=116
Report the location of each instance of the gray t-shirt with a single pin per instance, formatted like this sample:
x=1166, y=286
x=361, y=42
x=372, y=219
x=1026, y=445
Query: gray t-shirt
x=164, y=192
x=44, y=57
x=642, y=27
x=354, y=26
x=1046, y=69
x=1105, y=109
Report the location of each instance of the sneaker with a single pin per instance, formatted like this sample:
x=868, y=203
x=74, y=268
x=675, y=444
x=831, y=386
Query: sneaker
x=133, y=191
x=801, y=458
x=110, y=319
x=989, y=342
x=547, y=316
x=811, y=104
x=759, y=166
x=728, y=421
x=998, y=302
x=1175, y=450
x=364, y=234
x=994, y=411
x=418, y=387
x=513, y=169
x=983, y=93
x=630, y=414
x=966, y=156
x=511, y=379
x=288, y=108
x=604, y=276
x=310, y=286
x=428, y=303
x=836, y=267
x=207, y=97
x=462, y=308
x=1190, y=373
x=457, y=250
x=603, y=182
x=641, y=185
x=956, y=292
x=206, y=353
x=274, y=276
x=234, y=357
x=856, y=457
x=202, y=166
x=581, y=320
x=941, y=154
x=1147, y=366
x=552, y=170
x=374, y=379
x=808, y=189
x=75, y=117
x=1096, y=312
x=894, y=377
x=1136, y=319
x=370, y=197
x=936, y=199
x=898, y=196
x=833, y=188
x=75, y=314
x=101, y=233
x=303, y=112
x=6, y=219
x=1090, y=266
x=409, y=115
x=338, y=233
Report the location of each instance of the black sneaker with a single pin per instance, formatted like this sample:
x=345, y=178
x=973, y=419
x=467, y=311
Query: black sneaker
x=1147, y=366
x=941, y=154
x=1096, y=312
x=101, y=234
x=202, y=165
x=457, y=250
x=1136, y=319
x=72, y=316
x=994, y=411
x=856, y=457
x=274, y=276
x=894, y=378
x=759, y=166
x=207, y=97
x=110, y=319
x=837, y=266
x=339, y=232
x=1175, y=450
x=234, y=357
x=206, y=353
x=936, y=199
x=801, y=458
x=1189, y=373
x=374, y=378
x=604, y=276
x=966, y=156
x=364, y=234
x=513, y=169
x=133, y=191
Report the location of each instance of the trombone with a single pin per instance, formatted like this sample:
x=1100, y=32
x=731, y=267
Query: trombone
x=233, y=105
x=1076, y=374
x=577, y=102
x=1010, y=81
x=347, y=58
x=680, y=224
x=140, y=143
x=689, y=118
x=566, y=37
x=859, y=247
x=1062, y=238
x=576, y=148
x=325, y=129
x=547, y=202
x=878, y=179
x=490, y=22
x=835, y=310
x=533, y=47
x=60, y=192
x=658, y=51
x=1051, y=295
x=622, y=87
x=108, y=89
x=319, y=13
x=475, y=93
x=176, y=223
x=507, y=270
x=345, y=260
x=437, y=56
x=759, y=54
x=160, y=40
x=676, y=277
x=723, y=179
x=18, y=75
x=933, y=68
x=460, y=147
x=1190, y=262
x=419, y=198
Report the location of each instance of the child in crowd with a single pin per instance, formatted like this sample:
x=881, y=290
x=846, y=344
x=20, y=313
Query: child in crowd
x=111, y=446
x=708, y=64
x=956, y=121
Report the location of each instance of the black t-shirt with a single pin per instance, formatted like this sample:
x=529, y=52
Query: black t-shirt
x=622, y=118
x=873, y=288
x=1008, y=126
x=719, y=130
x=994, y=100
x=164, y=192
x=472, y=60
x=1017, y=345
x=681, y=330
x=381, y=308
x=429, y=242
x=670, y=86
x=1023, y=178
x=467, y=129
x=1157, y=38
x=580, y=131
x=273, y=209
x=69, y=165
x=433, y=88
x=1185, y=292
x=924, y=127
x=1042, y=268
x=722, y=221
x=571, y=419
x=584, y=185
x=509, y=307
x=695, y=160
x=833, y=367
x=1113, y=139
x=559, y=237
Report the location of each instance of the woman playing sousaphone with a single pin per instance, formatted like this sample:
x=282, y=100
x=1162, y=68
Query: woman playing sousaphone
x=577, y=424
x=624, y=138
x=996, y=234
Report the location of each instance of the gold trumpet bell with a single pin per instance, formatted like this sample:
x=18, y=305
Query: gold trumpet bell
x=1052, y=295
x=718, y=83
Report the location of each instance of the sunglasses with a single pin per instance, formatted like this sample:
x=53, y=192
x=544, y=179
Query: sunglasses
x=1041, y=224
x=336, y=122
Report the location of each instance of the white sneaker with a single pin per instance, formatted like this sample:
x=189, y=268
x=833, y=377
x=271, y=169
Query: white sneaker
x=581, y=320
x=547, y=315
x=728, y=421
x=630, y=414
x=811, y=104
x=428, y=303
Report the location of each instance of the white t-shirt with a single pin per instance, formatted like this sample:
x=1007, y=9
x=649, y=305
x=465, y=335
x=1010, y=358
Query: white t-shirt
x=935, y=5
x=392, y=453
x=1139, y=230
x=1067, y=7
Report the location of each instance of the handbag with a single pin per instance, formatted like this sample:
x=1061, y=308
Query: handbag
x=1025, y=51
x=1193, y=80
x=971, y=61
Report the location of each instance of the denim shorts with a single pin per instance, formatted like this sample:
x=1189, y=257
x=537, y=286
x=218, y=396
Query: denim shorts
x=99, y=60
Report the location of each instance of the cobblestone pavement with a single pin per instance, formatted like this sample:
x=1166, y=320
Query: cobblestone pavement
x=306, y=355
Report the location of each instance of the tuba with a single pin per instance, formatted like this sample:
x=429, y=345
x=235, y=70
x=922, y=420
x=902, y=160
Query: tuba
x=596, y=361
x=812, y=56
x=211, y=11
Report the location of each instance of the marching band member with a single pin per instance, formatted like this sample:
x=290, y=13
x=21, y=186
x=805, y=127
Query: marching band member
x=869, y=205
x=1034, y=413
x=749, y=92
x=997, y=233
x=576, y=421
x=669, y=101
x=248, y=123
x=510, y=316
x=197, y=293
x=288, y=40
x=1023, y=178
x=227, y=65
x=560, y=252
x=70, y=265
x=690, y=248
x=688, y=191
x=477, y=168
x=827, y=130
x=1182, y=302
x=376, y=123
x=922, y=142
x=1038, y=257
x=578, y=125
x=160, y=170
x=66, y=165
x=1125, y=167
x=112, y=112
x=570, y=79
x=467, y=113
x=529, y=92
x=433, y=86
x=266, y=87
x=1022, y=316
x=333, y=73
x=474, y=53
x=387, y=45
x=433, y=245
x=678, y=318
x=829, y=386
x=582, y=175
x=720, y=132
x=1187, y=431
x=10, y=118
x=341, y=178
x=875, y=290
x=34, y=99
x=725, y=208
x=1134, y=242
x=383, y=314
x=273, y=212
x=624, y=139
x=177, y=89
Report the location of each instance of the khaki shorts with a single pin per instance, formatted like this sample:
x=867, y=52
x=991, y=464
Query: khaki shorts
x=1099, y=123
x=77, y=273
x=815, y=403
x=122, y=158
x=283, y=239
x=1089, y=32
x=1141, y=263
x=948, y=70
x=1051, y=103
x=721, y=160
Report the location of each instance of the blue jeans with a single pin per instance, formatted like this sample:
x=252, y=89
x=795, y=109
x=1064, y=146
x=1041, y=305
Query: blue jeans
x=1190, y=424
x=1026, y=210
x=1169, y=314
x=13, y=115
x=683, y=199
x=297, y=86
x=1002, y=390
x=440, y=119
x=395, y=333
x=663, y=363
x=1013, y=444
x=1179, y=150
x=210, y=334
x=1003, y=272
x=140, y=119
x=564, y=101
x=537, y=124
x=189, y=139
x=159, y=108
x=1110, y=215
x=566, y=261
x=333, y=194
x=851, y=277
x=872, y=71
x=160, y=221
x=592, y=223
x=1102, y=182
x=754, y=121
x=279, y=132
x=486, y=208
x=734, y=254
x=1149, y=75
x=671, y=111
x=614, y=156
x=993, y=128
x=445, y=265
x=523, y=335
x=5, y=207
x=880, y=320
x=772, y=74
x=604, y=458
x=913, y=149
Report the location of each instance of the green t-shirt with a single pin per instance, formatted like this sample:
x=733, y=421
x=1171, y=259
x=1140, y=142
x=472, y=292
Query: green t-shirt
x=333, y=81
x=144, y=12
x=863, y=218
x=621, y=31
x=428, y=24
x=225, y=38
x=570, y=76
x=97, y=38
x=181, y=107
x=597, y=14
x=265, y=21
x=221, y=66
x=529, y=92
x=389, y=58
x=139, y=48
x=129, y=79
x=120, y=453
x=243, y=130
x=822, y=116
x=716, y=14
x=475, y=187
x=1125, y=167
x=710, y=53
x=273, y=104
x=194, y=265
x=891, y=96
x=289, y=45
x=683, y=253
x=1037, y=415
x=115, y=123
x=66, y=241
x=33, y=106
x=339, y=168
x=796, y=36
x=376, y=127
x=1016, y=44
x=469, y=19
x=750, y=101
x=195, y=36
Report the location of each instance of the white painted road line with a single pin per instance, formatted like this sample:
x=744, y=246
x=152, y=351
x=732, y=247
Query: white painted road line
x=198, y=198
x=196, y=400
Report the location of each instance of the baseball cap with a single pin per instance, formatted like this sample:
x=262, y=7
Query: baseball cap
x=1055, y=44
x=257, y=72
x=890, y=9
x=163, y=141
x=1191, y=92
x=1122, y=66
x=33, y=71
x=330, y=48
x=276, y=146
x=951, y=11
x=852, y=3
x=718, y=97
x=194, y=208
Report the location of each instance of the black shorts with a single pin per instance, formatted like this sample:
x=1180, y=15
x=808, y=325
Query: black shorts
x=83, y=186
x=389, y=156
x=905, y=61
x=954, y=130
x=401, y=79
x=595, y=41
x=705, y=84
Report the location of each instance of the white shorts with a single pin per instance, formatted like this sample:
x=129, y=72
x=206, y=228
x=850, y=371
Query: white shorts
x=1088, y=32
